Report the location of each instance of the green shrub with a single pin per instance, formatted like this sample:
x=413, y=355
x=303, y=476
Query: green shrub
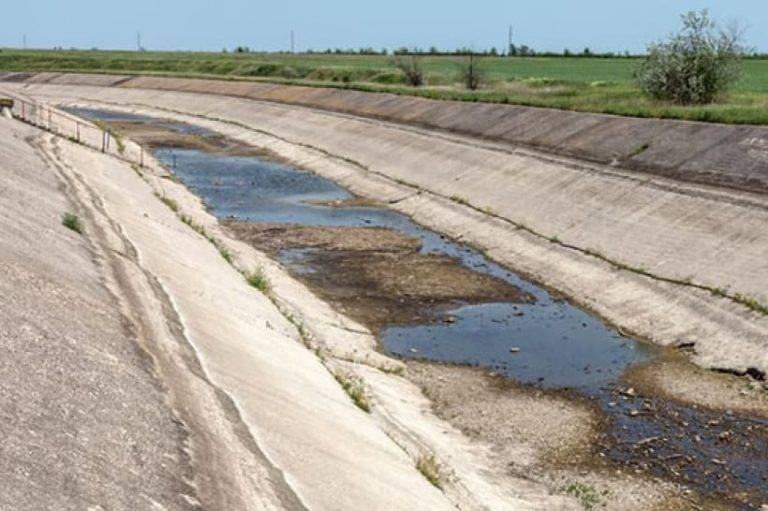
x=258, y=280
x=72, y=221
x=411, y=68
x=694, y=66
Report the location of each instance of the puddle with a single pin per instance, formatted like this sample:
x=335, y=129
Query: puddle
x=434, y=299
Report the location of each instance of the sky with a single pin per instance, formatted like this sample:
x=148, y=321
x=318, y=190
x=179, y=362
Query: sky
x=546, y=25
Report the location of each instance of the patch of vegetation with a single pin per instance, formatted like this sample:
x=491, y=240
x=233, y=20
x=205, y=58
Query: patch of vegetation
x=430, y=469
x=586, y=494
x=396, y=370
x=587, y=83
x=223, y=249
x=639, y=150
x=172, y=204
x=194, y=225
x=356, y=390
x=751, y=303
x=258, y=280
x=461, y=200
x=472, y=72
x=411, y=68
x=72, y=221
x=696, y=65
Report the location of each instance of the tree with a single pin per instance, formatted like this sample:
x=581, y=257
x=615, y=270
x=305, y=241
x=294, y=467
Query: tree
x=472, y=72
x=410, y=65
x=694, y=66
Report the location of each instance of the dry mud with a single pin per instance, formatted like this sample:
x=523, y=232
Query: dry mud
x=377, y=276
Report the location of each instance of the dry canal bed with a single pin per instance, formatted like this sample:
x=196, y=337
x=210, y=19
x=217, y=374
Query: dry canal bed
x=431, y=300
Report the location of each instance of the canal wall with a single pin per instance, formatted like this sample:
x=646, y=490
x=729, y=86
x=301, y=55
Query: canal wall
x=715, y=154
x=649, y=253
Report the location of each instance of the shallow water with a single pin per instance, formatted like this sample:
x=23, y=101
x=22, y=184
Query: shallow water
x=548, y=343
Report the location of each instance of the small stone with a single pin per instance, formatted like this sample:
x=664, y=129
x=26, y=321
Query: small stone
x=631, y=392
x=414, y=350
x=634, y=413
x=450, y=319
x=514, y=349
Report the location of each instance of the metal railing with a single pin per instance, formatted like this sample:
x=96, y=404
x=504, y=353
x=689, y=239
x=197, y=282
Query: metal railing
x=77, y=130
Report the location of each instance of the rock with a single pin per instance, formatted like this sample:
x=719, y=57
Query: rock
x=414, y=350
x=630, y=392
x=450, y=319
x=514, y=349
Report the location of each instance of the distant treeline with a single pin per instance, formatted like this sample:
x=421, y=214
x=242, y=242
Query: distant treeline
x=513, y=51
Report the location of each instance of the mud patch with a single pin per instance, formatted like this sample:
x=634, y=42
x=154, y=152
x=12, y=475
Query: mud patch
x=377, y=276
x=157, y=133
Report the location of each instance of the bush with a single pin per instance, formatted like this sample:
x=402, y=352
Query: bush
x=694, y=66
x=472, y=72
x=72, y=221
x=411, y=68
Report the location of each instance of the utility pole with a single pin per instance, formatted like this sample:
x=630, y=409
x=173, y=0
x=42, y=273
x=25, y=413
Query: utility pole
x=138, y=41
x=292, y=45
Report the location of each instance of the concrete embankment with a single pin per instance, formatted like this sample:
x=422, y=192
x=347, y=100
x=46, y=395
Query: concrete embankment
x=716, y=154
x=83, y=414
x=648, y=253
x=179, y=387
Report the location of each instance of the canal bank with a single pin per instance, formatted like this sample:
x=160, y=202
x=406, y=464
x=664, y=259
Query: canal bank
x=631, y=429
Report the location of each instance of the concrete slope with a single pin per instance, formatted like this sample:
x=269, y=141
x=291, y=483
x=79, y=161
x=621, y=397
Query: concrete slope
x=263, y=414
x=85, y=422
x=734, y=156
x=687, y=234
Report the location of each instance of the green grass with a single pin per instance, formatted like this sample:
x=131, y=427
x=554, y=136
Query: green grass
x=581, y=84
x=356, y=390
x=72, y=221
x=258, y=280
x=430, y=469
x=172, y=204
x=586, y=494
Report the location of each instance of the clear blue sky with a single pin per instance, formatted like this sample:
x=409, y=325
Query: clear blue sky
x=603, y=25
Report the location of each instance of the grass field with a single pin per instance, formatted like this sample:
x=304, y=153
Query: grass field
x=583, y=84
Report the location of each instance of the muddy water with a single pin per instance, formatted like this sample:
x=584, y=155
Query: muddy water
x=527, y=334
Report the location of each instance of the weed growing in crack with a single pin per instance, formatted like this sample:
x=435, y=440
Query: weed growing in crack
x=258, y=280
x=461, y=200
x=639, y=150
x=356, y=390
x=72, y=221
x=430, y=469
x=586, y=494
x=172, y=204
x=223, y=250
x=751, y=303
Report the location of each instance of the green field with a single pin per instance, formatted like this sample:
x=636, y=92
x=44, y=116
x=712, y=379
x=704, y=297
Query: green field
x=583, y=84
